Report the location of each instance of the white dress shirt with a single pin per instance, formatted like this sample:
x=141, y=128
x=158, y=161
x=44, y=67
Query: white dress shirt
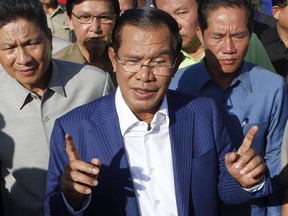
x=150, y=159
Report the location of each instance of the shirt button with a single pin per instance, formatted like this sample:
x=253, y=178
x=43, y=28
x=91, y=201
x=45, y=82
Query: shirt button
x=45, y=119
x=152, y=169
x=157, y=202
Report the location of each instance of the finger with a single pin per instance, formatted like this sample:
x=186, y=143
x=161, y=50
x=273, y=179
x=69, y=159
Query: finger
x=96, y=162
x=70, y=148
x=83, y=178
x=251, y=164
x=83, y=167
x=68, y=186
x=248, y=140
x=245, y=158
x=230, y=159
x=258, y=172
x=79, y=176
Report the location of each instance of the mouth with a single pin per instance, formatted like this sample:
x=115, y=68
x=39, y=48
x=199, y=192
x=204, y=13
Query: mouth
x=143, y=93
x=95, y=38
x=229, y=61
x=27, y=71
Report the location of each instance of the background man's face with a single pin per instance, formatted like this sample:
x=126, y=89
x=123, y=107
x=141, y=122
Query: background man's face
x=185, y=13
x=25, y=52
x=226, y=39
x=94, y=35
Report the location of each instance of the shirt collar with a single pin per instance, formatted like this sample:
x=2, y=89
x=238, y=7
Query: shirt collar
x=56, y=82
x=23, y=95
x=188, y=60
x=126, y=116
x=270, y=35
x=202, y=75
x=60, y=8
x=243, y=77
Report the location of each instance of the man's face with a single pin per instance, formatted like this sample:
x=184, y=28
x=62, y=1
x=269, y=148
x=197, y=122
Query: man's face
x=94, y=35
x=125, y=5
x=143, y=91
x=25, y=52
x=185, y=13
x=225, y=40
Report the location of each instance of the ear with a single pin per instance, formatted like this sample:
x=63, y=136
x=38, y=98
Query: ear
x=69, y=22
x=199, y=34
x=275, y=11
x=111, y=54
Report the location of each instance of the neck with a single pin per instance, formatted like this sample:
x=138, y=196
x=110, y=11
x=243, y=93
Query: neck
x=224, y=81
x=146, y=117
x=221, y=78
x=196, y=50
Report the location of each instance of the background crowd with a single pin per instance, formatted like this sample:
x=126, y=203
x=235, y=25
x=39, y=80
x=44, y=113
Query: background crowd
x=134, y=107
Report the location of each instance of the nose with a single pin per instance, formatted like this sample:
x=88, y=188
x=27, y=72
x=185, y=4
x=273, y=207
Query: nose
x=95, y=25
x=229, y=46
x=23, y=56
x=145, y=74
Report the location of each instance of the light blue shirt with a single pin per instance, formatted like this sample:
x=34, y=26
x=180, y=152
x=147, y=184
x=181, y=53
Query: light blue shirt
x=255, y=97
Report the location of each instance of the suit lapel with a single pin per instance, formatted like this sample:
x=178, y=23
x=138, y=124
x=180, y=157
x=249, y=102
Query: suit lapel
x=181, y=135
x=111, y=150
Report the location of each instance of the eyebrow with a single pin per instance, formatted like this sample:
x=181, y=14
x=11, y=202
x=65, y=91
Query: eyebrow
x=81, y=13
x=135, y=56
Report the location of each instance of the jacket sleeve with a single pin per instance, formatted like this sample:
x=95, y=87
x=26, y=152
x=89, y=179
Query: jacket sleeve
x=230, y=192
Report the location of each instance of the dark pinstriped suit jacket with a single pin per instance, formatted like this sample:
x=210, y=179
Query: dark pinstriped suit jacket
x=199, y=142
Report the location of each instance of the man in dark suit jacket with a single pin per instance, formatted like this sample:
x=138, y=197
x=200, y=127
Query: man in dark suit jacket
x=161, y=153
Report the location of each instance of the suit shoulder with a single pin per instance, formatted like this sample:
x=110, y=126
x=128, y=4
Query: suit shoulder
x=83, y=112
x=189, y=101
x=81, y=71
x=63, y=53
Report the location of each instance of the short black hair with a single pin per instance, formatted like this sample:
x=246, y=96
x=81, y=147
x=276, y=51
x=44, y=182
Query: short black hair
x=71, y=3
x=204, y=7
x=30, y=10
x=280, y=3
x=148, y=18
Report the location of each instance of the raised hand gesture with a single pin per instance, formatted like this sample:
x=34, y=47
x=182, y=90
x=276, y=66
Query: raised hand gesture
x=78, y=176
x=246, y=165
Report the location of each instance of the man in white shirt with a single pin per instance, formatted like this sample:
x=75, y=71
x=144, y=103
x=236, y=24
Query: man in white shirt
x=161, y=152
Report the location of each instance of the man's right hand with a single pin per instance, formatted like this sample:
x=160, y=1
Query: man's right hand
x=78, y=176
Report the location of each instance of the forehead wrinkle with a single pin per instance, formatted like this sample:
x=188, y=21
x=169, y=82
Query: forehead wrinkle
x=19, y=32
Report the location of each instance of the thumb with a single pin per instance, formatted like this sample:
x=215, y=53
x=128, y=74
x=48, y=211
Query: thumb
x=230, y=159
x=70, y=148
